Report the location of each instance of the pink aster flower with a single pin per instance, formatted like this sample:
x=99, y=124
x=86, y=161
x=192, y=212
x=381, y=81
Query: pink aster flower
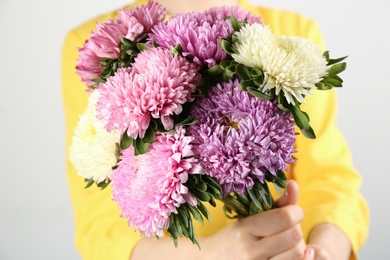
x=156, y=86
x=103, y=43
x=88, y=66
x=197, y=33
x=239, y=13
x=150, y=187
x=140, y=20
x=133, y=24
x=239, y=137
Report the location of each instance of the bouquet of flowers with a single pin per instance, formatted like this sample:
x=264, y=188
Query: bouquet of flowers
x=193, y=109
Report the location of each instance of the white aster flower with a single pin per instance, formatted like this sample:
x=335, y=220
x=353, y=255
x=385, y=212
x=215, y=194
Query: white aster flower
x=92, y=152
x=292, y=65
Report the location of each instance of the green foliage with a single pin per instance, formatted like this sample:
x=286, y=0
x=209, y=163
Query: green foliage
x=332, y=79
x=255, y=200
x=102, y=185
x=205, y=189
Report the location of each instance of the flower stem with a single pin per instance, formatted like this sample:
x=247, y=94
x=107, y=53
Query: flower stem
x=235, y=204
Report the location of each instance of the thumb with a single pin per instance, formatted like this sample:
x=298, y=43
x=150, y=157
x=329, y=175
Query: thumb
x=290, y=196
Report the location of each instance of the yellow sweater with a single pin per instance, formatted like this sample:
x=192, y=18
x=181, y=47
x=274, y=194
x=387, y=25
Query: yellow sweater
x=329, y=185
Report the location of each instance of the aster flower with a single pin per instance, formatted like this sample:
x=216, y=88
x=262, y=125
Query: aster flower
x=291, y=65
x=150, y=187
x=103, y=48
x=198, y=34
x=240, y=138
x=103, y=43
x=92, y=152
x=140, y=20
x=157, y=86
x=242, y=15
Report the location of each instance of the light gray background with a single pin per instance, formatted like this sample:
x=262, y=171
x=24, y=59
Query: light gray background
x=35, y=213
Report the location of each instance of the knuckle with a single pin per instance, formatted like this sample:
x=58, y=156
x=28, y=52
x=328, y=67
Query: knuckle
x=296, y=233
x=285, y=215
x=297, y=253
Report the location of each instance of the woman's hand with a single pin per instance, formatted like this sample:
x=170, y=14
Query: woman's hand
x=274, y=234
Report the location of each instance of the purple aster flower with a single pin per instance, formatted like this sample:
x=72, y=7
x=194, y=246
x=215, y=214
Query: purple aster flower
x=149, y=187
x=239, y=13
x=157, y=86
x=197, y=33
x=239, y=137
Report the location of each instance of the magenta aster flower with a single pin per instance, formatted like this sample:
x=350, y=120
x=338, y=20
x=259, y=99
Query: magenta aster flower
x=239, y=137
x=197, y=33
x=150, y=187
x=157, y=86
x=239, y=13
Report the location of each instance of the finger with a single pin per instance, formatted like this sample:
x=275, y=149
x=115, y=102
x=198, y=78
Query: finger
x=309, y=254
x=287, y=243
x=297, y=252
x=271, y=221
x=290, y=196
x=319, y=252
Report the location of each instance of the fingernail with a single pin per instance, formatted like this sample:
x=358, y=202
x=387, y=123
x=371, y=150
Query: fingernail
x=310, y=252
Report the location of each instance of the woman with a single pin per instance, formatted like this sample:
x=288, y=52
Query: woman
x=328, y=221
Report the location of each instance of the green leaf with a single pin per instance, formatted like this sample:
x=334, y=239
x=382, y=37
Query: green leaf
x=309, y=133
x=89, y=183
x=187, y=121
x=202, y=208
x=281, y=183
x=334, y=61
x=322, y=86
x=243, y=72
x=301, y=119
x=256, y=72
x=245, y=84
x=243, y=199
x=235, y=23
x=140, y=146
x=226, y=63
x=231, y=69
x=149, y=136
x=278, y=190
x=254, y=198
x=142, y=46
x=266, y=195
x=127, y=42
x=281, y=175
x=98, y=80
x=184, y=216
x=254, y=209
x=337, y=68
x=102, y=185
x=202, y=186
x=177, y=50
x=326, y=56
x=215, y=70
x=195, y=213
x=258, y=80
x=226, y=45
x=212, y=202
x=126, y=141
x=333, y=82
x=258, y=94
